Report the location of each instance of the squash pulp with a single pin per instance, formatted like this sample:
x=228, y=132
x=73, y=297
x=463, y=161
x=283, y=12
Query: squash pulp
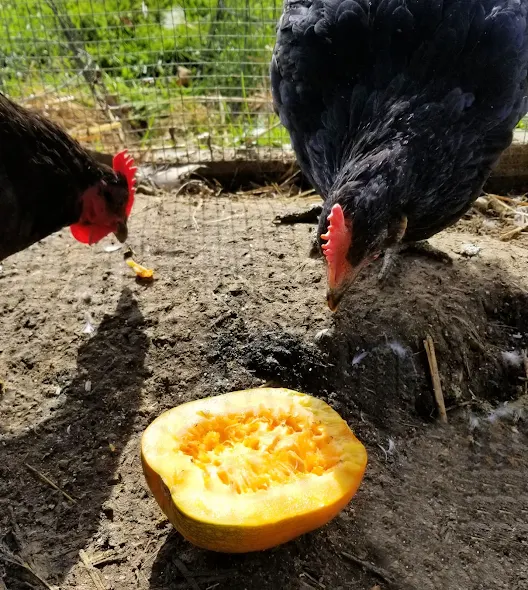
x=249, y=470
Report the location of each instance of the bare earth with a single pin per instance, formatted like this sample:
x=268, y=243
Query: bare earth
x=237, y=303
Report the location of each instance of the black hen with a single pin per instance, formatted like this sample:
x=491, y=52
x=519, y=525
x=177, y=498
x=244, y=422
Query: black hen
x=48, y=181
x=397, y=111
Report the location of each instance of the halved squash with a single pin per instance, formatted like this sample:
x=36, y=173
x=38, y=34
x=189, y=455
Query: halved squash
x=251, y=469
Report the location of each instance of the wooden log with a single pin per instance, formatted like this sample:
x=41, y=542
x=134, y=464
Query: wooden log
x=510, y=175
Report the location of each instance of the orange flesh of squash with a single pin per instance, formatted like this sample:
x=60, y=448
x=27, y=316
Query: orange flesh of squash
x=249, y=470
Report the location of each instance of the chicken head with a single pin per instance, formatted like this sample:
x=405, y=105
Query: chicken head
x=107, y=205
x=345, y=256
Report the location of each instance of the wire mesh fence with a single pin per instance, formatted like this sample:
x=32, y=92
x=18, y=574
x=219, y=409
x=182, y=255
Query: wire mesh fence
x=178, y=82
x=182, y=81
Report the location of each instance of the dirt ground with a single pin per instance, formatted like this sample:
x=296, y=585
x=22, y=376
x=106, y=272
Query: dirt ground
x=89, y=357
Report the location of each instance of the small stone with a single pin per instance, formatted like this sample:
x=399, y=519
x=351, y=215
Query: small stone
x=469, y=250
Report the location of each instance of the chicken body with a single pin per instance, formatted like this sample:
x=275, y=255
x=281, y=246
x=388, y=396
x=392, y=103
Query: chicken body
x=48, y=181
x=398, y=109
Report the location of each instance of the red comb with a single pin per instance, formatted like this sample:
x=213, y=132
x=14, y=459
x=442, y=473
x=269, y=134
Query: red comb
x=124, y=163
x=337, y=237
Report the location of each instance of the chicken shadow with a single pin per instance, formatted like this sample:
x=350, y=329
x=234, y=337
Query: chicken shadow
x=80, y=449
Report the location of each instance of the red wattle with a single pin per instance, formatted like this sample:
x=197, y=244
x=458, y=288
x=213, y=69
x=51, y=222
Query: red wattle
x=88, y=234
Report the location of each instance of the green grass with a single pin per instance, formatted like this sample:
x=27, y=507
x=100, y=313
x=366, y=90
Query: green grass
x=131, y=43
x=226, y=44
x=138, y=47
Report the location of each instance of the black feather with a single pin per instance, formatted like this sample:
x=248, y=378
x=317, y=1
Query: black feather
x=400, y=107
x=43, y=173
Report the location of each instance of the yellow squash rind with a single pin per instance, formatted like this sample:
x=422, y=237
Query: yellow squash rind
x=217, y=518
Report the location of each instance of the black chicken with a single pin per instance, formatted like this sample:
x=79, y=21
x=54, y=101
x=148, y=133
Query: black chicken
x=48, y=181
x=397, y=111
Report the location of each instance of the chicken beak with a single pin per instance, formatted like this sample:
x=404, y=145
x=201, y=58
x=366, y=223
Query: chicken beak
x=337, y=289
x=335, y=293
x=333, y=298
x=121, y=232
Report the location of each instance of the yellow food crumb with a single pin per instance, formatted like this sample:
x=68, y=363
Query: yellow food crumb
x=141, y=271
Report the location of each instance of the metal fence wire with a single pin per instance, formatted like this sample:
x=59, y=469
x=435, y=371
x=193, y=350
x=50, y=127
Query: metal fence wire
x=178, y=82
x=181, y=81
